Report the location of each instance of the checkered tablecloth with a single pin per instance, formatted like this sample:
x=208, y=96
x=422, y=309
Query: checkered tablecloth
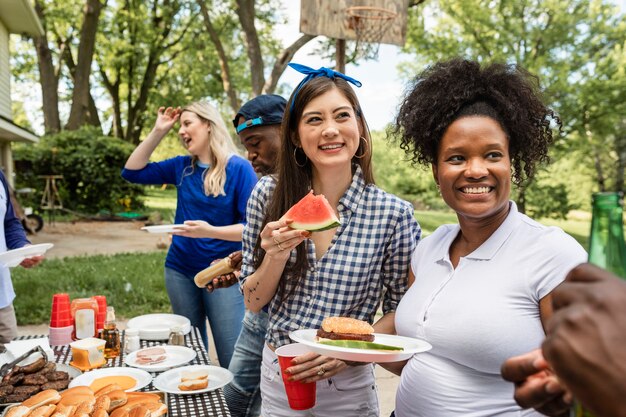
x=207, y=404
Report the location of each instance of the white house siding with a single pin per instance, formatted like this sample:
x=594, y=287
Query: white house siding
x=5, y=74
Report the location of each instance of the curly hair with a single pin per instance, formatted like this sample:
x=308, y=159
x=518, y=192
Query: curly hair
x=449, y=90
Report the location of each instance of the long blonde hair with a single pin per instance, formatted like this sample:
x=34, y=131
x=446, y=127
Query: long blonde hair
x=221, y=147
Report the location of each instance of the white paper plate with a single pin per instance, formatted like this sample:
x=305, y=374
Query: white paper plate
x=411, y=347
x=16, y=256
x=176, y=356
x=162, y=228
x=157, y=326
x=143, y=378
x=168, y=381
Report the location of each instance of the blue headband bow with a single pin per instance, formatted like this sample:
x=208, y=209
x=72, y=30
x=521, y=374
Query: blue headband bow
x=314, y=73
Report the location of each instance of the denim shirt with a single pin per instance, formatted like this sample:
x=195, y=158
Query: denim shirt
x=367, y=262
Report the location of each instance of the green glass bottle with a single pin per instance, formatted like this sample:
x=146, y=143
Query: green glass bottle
x=606, y=244
x=606, y=240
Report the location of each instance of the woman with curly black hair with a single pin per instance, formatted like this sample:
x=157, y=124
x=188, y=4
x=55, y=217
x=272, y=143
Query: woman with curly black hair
x=481, y=288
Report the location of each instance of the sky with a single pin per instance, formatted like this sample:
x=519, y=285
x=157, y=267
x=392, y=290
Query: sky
x=382, y=87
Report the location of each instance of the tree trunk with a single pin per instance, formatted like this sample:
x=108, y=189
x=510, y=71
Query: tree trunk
x=620, y=147
x=281, y=63
x=80, y=95
x=245, y=11
x=47, y=77
x=92, y=117
x=224, y=67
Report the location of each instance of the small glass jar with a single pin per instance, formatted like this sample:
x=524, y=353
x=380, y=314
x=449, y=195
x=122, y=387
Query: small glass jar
x=177, y=337
x=131, y=340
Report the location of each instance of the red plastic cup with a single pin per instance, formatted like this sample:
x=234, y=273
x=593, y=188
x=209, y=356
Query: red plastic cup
x=60, y=314
x=102, y=311
x=301, y=396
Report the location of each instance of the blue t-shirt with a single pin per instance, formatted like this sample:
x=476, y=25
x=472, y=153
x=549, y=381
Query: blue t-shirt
x=191, y=255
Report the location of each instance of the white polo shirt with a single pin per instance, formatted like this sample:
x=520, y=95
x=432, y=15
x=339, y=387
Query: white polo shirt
x=478, y=315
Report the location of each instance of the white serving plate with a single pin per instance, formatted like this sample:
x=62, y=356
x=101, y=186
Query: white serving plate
x=143, y=378
x=163, y=228
x=411, y=347
x=168, y=381
x=157, y=326
x=176, y=356
x=16, y=256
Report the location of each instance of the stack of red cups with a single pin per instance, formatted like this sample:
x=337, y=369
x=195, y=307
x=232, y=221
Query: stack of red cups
x=102, y=311
x=61, y=324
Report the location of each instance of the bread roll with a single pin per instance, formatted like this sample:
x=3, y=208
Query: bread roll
x=102, y=402
x=191, y=375
x=100, y=412
x=80, y=389
x=18, y=411
x=49, y=396
x=143, y=396
x=76, y=399
x=194, y=384
x=43, y=411
x=117, y=398
x=106, y=389
x=156, y=409
x=85, y=407
x=64, y=410
x=139, y=411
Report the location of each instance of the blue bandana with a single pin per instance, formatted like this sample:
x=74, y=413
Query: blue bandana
x=314, y=73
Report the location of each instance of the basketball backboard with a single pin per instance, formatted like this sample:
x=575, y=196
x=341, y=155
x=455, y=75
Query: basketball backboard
x=331, y=18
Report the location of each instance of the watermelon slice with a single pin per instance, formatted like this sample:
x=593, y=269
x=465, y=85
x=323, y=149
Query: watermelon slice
x=312, y=213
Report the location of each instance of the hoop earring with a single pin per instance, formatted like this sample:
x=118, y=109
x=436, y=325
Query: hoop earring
x=295, y=158
x=365, y=150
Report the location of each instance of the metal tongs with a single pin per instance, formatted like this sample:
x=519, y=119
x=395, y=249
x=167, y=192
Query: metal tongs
x=6, y=368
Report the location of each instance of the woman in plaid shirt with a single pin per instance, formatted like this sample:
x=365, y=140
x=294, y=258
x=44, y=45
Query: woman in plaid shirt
x=348, y=271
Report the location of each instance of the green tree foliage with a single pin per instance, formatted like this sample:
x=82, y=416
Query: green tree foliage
x=577, y=50
x=395, y=174
x=90, y=164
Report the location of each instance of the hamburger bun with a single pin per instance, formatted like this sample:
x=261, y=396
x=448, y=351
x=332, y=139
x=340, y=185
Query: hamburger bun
x=49, y=396
x=191, y=375
x=345, y=328
x=140, y=411
x=194, y=384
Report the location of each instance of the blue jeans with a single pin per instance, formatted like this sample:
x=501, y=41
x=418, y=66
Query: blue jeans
x=224, y=308
x=243, y=394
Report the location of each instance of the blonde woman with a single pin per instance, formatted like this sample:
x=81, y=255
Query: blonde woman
x=213, y=185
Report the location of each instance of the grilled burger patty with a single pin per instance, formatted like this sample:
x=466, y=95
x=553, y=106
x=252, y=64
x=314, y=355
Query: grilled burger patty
x=344, y=336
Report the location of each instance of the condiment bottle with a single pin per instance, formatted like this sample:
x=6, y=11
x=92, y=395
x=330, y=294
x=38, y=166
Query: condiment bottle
x=111, y=335
x=131, y=340
x=177, y=337
x=84, y=312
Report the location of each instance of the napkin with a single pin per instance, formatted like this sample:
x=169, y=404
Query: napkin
x=18, y=347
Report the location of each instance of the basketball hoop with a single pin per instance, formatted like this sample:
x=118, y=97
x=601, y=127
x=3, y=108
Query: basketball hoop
x=369, y=25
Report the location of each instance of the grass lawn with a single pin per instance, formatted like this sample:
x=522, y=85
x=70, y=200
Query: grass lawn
x=133, y=283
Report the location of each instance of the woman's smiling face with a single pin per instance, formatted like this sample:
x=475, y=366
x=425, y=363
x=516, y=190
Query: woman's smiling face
x=473, y=168
x=328, y=130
